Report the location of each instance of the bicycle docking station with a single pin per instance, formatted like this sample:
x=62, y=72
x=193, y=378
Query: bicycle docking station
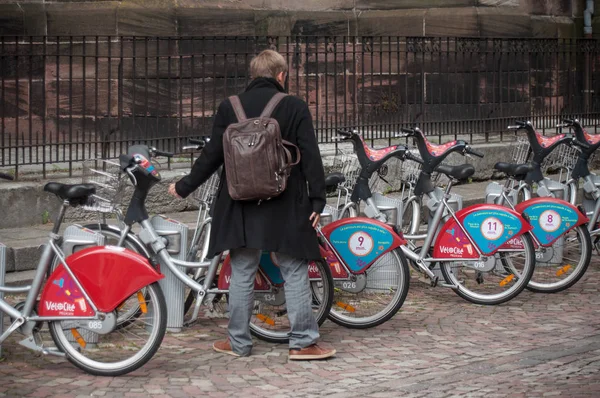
x=77, y=238
x=175, y=235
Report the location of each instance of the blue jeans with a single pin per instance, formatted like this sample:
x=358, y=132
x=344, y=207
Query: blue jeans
x=298, y=297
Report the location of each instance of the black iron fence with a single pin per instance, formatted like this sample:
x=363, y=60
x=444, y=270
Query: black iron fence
x=67, y=99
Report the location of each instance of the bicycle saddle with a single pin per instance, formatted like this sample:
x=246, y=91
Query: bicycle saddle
x=518, y=171
x=333, y=179
x=461, y=172
x=71, y=192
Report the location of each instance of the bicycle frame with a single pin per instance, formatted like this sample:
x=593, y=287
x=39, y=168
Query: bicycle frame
x=516, y=223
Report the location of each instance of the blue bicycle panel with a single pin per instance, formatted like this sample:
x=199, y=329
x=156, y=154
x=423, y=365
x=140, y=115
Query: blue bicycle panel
x=270, y=268
x=550, y=220
x=359, y=244
x=490, y=229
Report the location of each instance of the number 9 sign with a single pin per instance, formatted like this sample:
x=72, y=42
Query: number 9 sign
x=360, y=243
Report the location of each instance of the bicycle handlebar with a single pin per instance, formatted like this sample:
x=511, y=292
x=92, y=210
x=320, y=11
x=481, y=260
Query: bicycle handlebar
x=583, y=145
x=409, y=156
x=473, y=152
x=196, y=143
x=156, y=152
x=344, y=134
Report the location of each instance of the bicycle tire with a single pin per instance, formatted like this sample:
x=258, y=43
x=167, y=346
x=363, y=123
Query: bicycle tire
x=397, y=300
x=558, y=284
x=350, y=212
x=522, y=277
x=325, y=302
x=414, y=221
x=77, y=353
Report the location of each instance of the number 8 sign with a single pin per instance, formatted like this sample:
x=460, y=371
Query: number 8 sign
x=492, y=228
x=550, y=221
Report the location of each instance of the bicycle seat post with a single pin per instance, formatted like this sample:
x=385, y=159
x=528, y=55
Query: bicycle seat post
x=59, y=218
x=449, y=187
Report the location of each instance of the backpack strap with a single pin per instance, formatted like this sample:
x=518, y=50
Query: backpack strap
x=237, y=108
x=272, y=104
x=288, y=155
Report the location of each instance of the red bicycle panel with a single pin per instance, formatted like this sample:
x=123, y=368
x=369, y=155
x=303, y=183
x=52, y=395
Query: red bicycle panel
x=108, y=274
x=338, y=271
x=489, y=227
x=261, y=282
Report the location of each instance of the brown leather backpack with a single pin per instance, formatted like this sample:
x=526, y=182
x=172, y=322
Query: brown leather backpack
x=257, y=163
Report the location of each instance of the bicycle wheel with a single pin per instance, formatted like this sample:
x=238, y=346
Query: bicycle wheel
x=199, y=248
x=112, y=235
x=500, y=279
x=348, y=213
x=560, y=266
x=411, y=216
x=269, y=320
x=121, y=350
x=375, y=296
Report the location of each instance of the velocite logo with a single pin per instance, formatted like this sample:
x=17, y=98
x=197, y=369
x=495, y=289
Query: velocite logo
x=67, y=307
x=451, y=250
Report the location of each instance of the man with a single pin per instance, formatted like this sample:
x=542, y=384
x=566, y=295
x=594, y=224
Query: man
x=283, y=225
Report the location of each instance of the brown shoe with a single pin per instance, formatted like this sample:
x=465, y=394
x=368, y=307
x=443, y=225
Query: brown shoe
x=225, y=347
x=311, y=352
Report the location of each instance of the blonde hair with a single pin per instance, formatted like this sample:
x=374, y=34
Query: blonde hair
x=268, y=63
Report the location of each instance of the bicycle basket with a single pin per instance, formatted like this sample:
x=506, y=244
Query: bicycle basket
x=565, y=156
x=409, y=173
x=106, y=175
x=207, y=192
x=520, y=150
x=347, y=164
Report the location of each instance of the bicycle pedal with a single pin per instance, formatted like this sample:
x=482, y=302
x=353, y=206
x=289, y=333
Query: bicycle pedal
x=434, y=281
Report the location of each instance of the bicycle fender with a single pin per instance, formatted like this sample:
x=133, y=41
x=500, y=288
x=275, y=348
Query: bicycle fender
x=551, y=218
x=489, y=226
x=108, y=274
x=133, y=239
x=360, y=241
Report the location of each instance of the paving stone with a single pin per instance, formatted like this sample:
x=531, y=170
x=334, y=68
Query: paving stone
x=437, y=346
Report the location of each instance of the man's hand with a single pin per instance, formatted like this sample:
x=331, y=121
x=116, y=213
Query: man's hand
x=173, y=192
x=315, y=218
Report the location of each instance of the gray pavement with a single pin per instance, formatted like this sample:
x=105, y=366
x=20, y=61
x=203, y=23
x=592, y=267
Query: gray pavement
x=438, y=345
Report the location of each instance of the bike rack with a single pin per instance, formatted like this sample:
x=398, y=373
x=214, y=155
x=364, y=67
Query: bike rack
x=2, y=273
x=176, y=235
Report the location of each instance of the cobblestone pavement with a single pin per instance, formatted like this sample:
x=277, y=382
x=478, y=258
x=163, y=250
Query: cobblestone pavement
x=437, y=346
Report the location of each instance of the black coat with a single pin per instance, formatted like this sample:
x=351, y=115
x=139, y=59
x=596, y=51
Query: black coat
x=280, y=224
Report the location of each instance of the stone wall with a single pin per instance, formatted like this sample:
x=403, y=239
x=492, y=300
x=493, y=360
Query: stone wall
x=488, y=18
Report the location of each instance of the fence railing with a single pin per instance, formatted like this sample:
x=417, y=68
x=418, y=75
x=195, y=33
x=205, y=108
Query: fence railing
x=67, y=99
